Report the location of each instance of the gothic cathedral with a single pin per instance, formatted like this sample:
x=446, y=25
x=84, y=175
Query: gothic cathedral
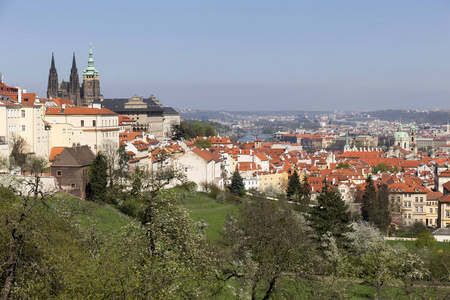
x=80, y=95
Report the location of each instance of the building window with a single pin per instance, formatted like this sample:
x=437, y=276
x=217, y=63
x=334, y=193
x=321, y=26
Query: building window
x=431, y=210
x=23, y=113
x=73, y=185
x=93, y=123
x=417, y=199
x=59, y=173
x=82, y=123
x=63, y=131
x=421, y=199
x=23, y=127
x=447, y=214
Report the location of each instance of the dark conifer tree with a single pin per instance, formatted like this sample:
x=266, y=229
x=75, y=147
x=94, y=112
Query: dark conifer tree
x=98, y=179
x=293, y=187
x=331, y=214
x=237, y=183
x=383, y=218
x=369, y=201
x=305, y=191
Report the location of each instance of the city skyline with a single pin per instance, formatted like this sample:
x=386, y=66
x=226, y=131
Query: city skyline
x=344, y=55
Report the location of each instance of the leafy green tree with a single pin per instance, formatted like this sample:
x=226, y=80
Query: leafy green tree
x=198, y=129
x=425, y=240
x=343, y=165
x=237, y=184
x=384, y=168
x=180, y=131
x=293, y=187
x=417, y=228
x=331, y=215
x=269, y=241
x=374, y=256
x=98, y=179
x=202, y=143
x=209, y=131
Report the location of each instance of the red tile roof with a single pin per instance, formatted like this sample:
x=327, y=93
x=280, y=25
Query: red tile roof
x=206, y=155
x=247, y=166
x=79, y=111
x=55, y=152
x=433, y=195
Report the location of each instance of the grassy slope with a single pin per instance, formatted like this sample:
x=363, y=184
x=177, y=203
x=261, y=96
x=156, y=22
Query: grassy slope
x=89, y=212
x=200, y=206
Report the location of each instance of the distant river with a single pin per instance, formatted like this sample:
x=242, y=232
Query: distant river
x=250, y=137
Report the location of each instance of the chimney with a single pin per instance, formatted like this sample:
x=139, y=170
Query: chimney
x=19, y=94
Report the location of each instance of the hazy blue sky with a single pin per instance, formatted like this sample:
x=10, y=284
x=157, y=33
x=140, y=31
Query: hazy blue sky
x=239, y=55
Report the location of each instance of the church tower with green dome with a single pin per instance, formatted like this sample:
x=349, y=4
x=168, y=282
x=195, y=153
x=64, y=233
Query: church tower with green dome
x=91, y=82
x=401, y=138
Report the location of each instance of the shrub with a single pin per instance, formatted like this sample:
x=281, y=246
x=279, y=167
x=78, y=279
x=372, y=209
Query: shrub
x=214, y=191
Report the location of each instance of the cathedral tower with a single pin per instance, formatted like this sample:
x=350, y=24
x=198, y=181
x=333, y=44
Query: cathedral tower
x=91, y=83
x=74, y=84
x=52, y=88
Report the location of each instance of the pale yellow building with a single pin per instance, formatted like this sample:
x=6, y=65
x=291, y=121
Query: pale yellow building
x=23, y=118
x=276, y=181
x=90, y=126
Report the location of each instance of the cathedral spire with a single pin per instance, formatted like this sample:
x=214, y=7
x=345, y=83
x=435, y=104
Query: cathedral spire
x=74, y=84
x=74, y=64
x=52, y=67
x=52, y=87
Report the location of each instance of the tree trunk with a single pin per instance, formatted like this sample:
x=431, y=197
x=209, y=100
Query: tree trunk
x=12, y=264
x=271, y=288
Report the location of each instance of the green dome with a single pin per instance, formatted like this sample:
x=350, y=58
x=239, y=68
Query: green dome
x=90, y=70
x=413, y=128
x=401, y=135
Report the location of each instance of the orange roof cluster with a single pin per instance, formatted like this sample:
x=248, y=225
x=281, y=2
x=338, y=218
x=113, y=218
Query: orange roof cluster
x=141, y=145
x=248, y=166
x=124, y=120
x=401, y=187
x=219, y=140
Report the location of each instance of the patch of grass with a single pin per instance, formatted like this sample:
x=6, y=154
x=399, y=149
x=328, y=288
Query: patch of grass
x=201, y=206
x=410, y=244
x=86, y=211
